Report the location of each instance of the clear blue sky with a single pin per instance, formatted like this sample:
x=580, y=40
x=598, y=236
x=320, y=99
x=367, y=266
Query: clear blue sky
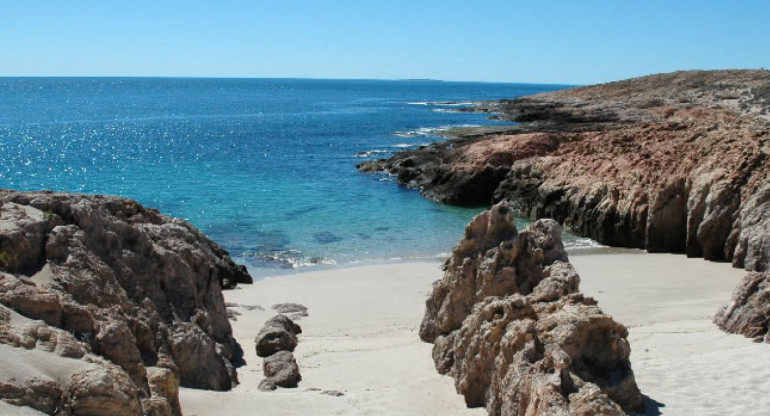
x=576, y=42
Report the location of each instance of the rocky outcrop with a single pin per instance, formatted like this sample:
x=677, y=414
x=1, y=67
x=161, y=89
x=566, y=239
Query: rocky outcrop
x=508, y=323
x=669, y=163
x=108, y=306
x=749, y=311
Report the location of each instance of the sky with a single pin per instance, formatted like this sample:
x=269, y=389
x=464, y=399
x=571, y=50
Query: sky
x=559, y=42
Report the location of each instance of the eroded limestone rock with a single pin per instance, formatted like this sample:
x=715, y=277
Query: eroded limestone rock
x=508, y=323
x=122, y=301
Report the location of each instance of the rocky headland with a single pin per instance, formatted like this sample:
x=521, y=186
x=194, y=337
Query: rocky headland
x=107, y=307
x=509, y=323
x=672, y=162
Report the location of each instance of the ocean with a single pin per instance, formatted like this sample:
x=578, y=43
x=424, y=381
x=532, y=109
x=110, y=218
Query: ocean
x=265, y=167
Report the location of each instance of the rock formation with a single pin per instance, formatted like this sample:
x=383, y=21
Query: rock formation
x=508, y=323
x=749, y=312
x=106, y=306
x=281, y=369
x=276, y=341
x=278, y=334
x=669, y=163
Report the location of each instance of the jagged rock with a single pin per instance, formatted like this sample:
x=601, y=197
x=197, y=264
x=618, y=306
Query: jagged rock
x=164, y=393
x=86, y=274
x=20, y=332
x=752, y=248
x=43, y=395
x=278, y=334
x=508, y=323
x=200, y=359
x=103, y=391
x=22, y=239
x=749, y=311
x=471, y=275
x=117, y=343
x=282, y=369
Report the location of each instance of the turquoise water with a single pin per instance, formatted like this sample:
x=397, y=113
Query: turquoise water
x=265, y=167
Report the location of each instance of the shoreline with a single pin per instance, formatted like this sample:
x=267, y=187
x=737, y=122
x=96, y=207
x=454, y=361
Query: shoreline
x=360, y=339
x=438, y=259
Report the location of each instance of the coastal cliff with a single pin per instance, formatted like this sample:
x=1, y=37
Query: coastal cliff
x=107, y=307
x=509, y=323
x=668, y=163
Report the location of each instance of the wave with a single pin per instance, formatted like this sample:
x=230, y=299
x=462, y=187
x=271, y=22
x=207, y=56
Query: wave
x=575, y=242
x=284, y=259
x=408, y=145
x=432, y=131
x=445, y=103
x=370, y=153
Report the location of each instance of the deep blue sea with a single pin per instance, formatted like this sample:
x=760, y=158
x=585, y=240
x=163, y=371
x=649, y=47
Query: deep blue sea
x=265, y=167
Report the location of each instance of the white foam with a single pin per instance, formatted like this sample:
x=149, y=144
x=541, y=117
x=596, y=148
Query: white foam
x=408, y=145
x=432, y=131
x=444, y=103
x=581, y=242
x=451, y=104
x=370, y=153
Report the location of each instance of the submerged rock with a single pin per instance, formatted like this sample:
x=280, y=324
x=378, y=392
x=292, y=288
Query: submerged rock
x=508, y=323
x=122, y=301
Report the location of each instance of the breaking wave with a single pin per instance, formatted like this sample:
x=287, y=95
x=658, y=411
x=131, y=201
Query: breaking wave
x=432, y=131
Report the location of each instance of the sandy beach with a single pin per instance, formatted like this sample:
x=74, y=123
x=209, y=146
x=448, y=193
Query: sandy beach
x=360, y=339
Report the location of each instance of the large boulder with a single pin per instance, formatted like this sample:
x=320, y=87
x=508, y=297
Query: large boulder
x=133, y=296
x=278, y=334
x=281, y=369
x=508, y=323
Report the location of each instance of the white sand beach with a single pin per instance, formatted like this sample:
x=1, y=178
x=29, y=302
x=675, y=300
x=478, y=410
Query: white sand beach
x=360, y=339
